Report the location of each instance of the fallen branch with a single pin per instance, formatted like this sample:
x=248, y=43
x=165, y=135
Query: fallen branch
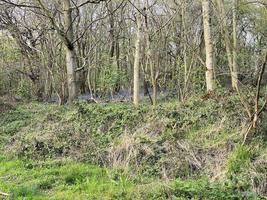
x=92, y=100
x=3, y=194
x=258, y=111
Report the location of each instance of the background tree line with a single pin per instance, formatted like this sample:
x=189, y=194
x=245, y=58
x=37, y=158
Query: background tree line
x=63, y=49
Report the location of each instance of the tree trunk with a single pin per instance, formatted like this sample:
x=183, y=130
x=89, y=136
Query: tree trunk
x=137, y=59
x=235, y=66
x=225, y=33
x=184, y=30
x=149, y=62
x=231, y=57
x=70, y=53
x=208, y=45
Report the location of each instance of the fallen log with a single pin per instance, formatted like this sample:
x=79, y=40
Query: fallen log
x=3, y=194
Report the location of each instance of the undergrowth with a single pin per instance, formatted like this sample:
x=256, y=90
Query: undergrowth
x=189, y=150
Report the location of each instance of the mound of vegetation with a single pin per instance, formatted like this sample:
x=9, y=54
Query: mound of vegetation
x=5, y=106
x=189, y=150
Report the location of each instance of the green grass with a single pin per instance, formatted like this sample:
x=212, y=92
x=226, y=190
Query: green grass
x=57, y=180
x=60, y=180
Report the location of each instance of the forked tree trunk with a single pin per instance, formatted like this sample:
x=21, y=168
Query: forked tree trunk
x=208, y=45
x=70, y=53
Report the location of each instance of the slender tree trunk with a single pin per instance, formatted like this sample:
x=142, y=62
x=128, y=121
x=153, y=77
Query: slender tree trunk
x=137, y=59
x=70, y=52
x=235, y=66
x=225, y=33
x=208, y=45
x=149, y=62
x=231, y=57
x=186, y=63
x=184, y=40
x=111, y=30
x=114, y=51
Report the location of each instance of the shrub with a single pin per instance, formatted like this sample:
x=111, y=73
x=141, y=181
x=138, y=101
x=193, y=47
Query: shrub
x=24, y=89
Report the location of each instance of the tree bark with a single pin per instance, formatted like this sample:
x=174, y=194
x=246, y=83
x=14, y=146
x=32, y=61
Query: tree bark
x=208, y=45
x=70, y=52
x=235, y=66
x=137, y=59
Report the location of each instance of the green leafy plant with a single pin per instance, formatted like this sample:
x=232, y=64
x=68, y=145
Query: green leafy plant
x=24, y=89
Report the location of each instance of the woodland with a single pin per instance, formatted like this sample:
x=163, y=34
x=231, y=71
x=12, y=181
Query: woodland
x=133, y=99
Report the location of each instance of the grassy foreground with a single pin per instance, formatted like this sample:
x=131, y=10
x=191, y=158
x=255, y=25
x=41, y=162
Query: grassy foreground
x=65, y=180
x=59, y=180
x=114, y=151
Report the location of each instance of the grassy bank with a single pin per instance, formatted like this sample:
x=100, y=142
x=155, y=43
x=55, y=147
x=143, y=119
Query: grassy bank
x=189, y=150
